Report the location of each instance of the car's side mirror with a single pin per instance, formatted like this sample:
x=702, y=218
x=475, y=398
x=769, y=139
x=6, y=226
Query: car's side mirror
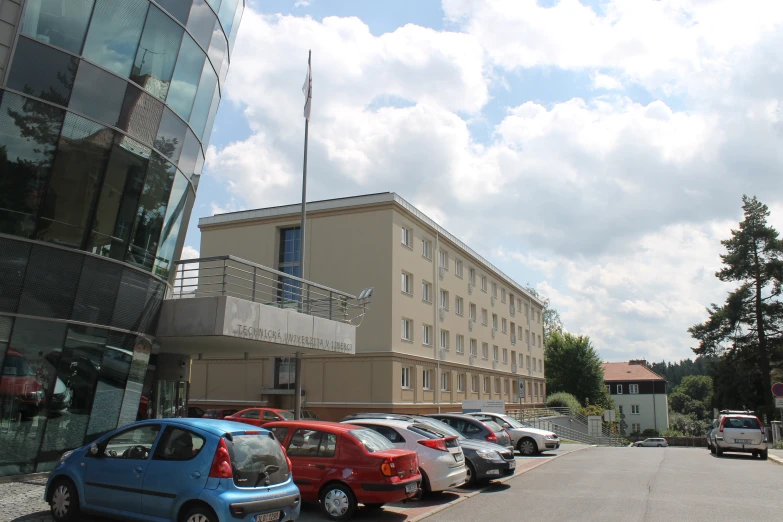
x=94, y=450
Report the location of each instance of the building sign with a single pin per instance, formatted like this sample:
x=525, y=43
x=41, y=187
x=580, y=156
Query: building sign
x=277, y=336
x=487, y=406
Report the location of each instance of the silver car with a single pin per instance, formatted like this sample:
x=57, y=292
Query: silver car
x=741, y=433
x=656, y=442
x=526, y=439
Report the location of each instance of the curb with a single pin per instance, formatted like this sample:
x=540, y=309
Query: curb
x=501, y=481
x=775, y=459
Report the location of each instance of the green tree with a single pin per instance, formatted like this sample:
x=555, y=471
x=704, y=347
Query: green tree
x=749, y=325
x=549, y=317
x=573, y=366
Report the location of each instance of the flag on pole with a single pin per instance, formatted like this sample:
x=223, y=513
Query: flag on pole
x=307, y=89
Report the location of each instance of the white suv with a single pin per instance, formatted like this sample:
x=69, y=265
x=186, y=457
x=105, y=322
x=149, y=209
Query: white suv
x=740, y=433
x=526, y=439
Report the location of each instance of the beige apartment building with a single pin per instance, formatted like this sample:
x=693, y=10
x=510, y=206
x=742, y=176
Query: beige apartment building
x=444, y=325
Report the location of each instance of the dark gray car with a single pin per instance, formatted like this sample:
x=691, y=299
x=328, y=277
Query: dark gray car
x=474, y=428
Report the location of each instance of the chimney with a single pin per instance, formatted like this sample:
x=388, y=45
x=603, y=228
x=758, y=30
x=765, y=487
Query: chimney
x=640, y=362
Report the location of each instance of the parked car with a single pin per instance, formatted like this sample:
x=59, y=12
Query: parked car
x=219, y=413
x=194, y=412
x=21, y=388
x=741, y=433
x=526, y=439
x=474, y=428
x=654, y=442
x=710, y=436
x=485, y=461
x=441, y=459
x=306, y=415
x=181, y=470
x=260, y=416
x=341, y=466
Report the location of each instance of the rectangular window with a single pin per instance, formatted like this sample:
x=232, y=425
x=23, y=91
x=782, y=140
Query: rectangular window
x=426, y=291
x=636, y=428
x=495, y=321
x=444, y=381
x=494, y=353
x=486, y=384
x=541, y=365
x=444, y=299
x=634, y=409
x=472, y=275
x=527, y=336
x=534, y=364
x=458, y=268
x=425, y=380
x=539, y=341
x=484, y=316
x=407, y=237
x=505, y=386
x=426, y=335
x=497, y=385
x=426, y=248
x=473, y=347
x=113, y=36
x=407, y=283
x=460, y=344
x=444, y=339
x=538, y=317
x=608, y=389
x=458, y=306
x=406, y=377
x=460, y=382
x=519, y=334
x=619, y=389
x=407, y=329
x=485, y=351
x=521, y=361
x=620, y=409
x=502, y=295
x=444, y=259
x=503, y=325
x=494, y=289
x=474, y=383
x=526, y=311
x=505, y=356
x=484, y=283
x=528, y=362
x=288, y=261
x=472, y=308
x=633, y=388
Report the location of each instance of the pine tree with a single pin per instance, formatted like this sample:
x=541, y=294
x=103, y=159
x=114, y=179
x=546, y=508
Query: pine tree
x=749, y=325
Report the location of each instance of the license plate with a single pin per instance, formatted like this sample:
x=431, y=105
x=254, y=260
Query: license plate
x=743, y=441
x=410, y=488
x=512, y=464
x=459, y=457
x=268, y=517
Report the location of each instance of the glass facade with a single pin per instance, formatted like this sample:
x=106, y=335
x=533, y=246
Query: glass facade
x=106, y=109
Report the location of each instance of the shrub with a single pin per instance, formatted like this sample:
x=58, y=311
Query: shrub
x=778, y=445
x=650, y=433
x=563, y=400
x=593, y=409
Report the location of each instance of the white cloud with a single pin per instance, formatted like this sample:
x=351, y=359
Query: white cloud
x=607, y=82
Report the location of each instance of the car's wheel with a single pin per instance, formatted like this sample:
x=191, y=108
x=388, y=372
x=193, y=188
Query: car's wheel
x=199, y=514
x=718, y=452
x=527, y=447
x=712, y=450
x=64, y=501
x=660, y=445
x=764, y=454
x=337, y=502
x=472, y=478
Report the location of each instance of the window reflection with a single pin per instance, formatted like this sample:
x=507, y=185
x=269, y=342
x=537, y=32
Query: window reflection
x=28, y=137
x=235, y=25
x=179, y=9
x=113, y=37
x=58, y=22
x=211, y=118
x=215, y=4
x=81, y=157
x=186, y=75
x=190, y=150
x=157, y=53
x=201, y=22
x=152, y=209
x=171, y=135
x=112, y=376
x=171, y=225
x=140, y=115
x=201, y=106
x=43, y=72
x=226, y=14
x=218, y=48
x=98, y=94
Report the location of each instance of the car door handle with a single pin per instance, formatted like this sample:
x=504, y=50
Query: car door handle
x=195, y=475
x=320, y=466
x=138, y=469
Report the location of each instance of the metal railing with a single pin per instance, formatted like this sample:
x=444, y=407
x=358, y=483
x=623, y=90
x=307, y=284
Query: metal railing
x=236, y=277
x=537, y=417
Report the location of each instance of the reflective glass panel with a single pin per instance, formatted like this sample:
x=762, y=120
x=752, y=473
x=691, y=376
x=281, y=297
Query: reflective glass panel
x=119, y=200
x=79, y=164
x=31, y=391
x=179, y=9
x=151, y=211
x=28, y=138
x=43, y=72
x=98, y=94
x=157, y=53
x=211, y=118
x=58, y=22
x=171, y=135
x=226, y=14
x=186, y=75
x=113, y=37
x=218, y=48
x=235, y=25
x=171, y=226
x=140, y=349
x=215, y=4
x=190, y=150
x=201, y=22
x=113, y=375
x=77, y=366
x=203, y=102
x=140, y=115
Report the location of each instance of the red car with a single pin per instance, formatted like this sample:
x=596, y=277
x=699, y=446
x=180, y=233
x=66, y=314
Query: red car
x=19, y=384
x=260, y=416
x=342, y=465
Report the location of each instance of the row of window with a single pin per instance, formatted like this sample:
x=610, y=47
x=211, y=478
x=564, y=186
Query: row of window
x=443, y=258
x=632, y=389
x=445, y=382
x=634, y=409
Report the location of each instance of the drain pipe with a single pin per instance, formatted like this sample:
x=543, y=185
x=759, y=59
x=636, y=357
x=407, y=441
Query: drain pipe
x=436, y=308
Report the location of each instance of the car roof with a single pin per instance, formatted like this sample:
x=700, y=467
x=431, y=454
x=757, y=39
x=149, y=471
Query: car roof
x=740, y=416
x=260, y=408
x=398, y=423
x=214, y=426
x=332, y=427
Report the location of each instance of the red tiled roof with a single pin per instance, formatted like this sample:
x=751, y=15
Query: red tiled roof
x=623, y=371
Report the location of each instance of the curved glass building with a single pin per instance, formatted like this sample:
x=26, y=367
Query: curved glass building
x=106, y=109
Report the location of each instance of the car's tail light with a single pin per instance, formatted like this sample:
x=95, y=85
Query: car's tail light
x=722, y=422
x=388, y=468
x=760, y=424
x=436, y=444
x=221, y=463
x=492, y=438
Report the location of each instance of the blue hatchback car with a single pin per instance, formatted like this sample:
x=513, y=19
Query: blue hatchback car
x=177, y=470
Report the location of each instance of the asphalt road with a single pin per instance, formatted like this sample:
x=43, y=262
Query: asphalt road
x=633, y=484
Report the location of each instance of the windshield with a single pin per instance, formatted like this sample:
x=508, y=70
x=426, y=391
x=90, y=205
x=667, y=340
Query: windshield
x=371, y=440
x=250, y=456
x=741, y=422
x=494, y=426
x=443, y=427
x=287, y=415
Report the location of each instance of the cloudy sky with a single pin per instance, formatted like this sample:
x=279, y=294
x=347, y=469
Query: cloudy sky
x=596, y=149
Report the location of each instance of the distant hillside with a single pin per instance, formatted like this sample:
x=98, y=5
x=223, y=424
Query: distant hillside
x=673, y=372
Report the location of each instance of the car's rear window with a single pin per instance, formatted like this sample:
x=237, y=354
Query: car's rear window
x=250, y=456
x=428, y=430
x=494, y=426
x=740, y=422
x=371, y=440
x=287, y=415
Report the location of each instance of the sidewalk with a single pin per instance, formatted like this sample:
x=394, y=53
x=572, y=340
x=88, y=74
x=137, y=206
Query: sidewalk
x=776, y=455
